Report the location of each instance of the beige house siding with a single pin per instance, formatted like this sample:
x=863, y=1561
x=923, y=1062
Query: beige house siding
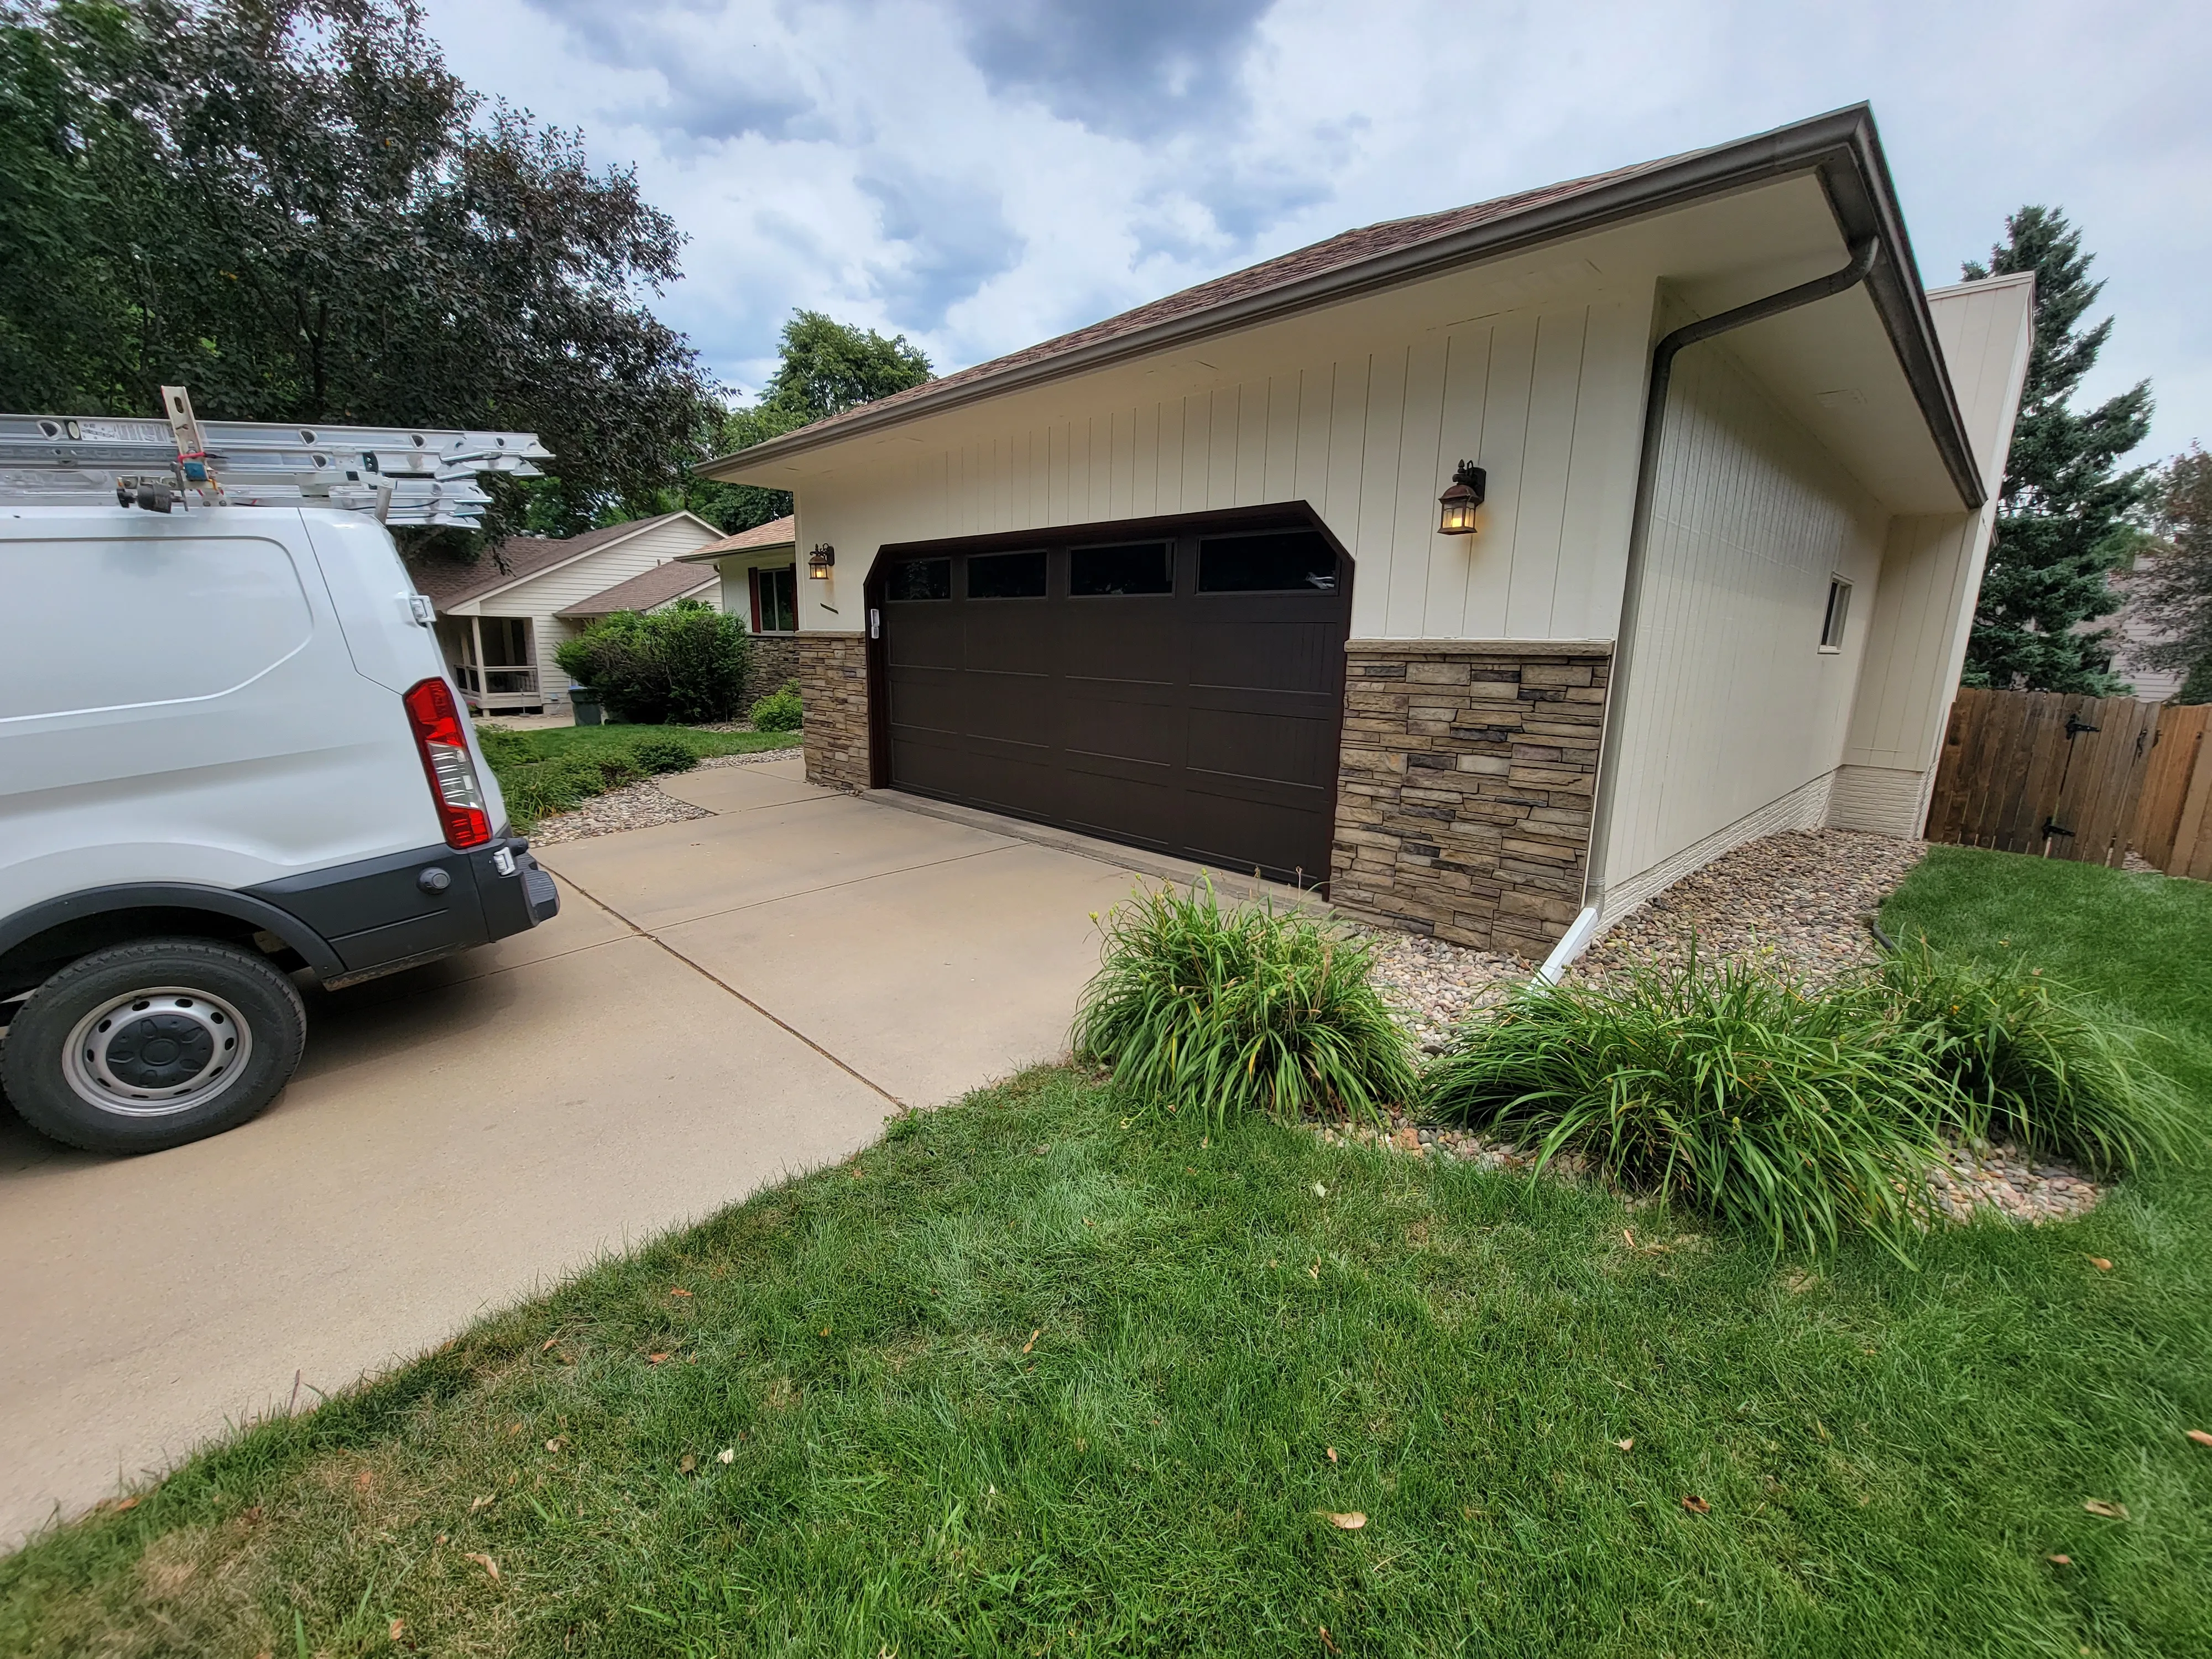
x=1922, y=611
x=541, y=596
x=1732, y=705
x=1367, y=433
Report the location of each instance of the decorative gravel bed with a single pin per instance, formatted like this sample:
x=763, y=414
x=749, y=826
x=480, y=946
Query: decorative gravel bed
x=637, y=806
x=1796, y=903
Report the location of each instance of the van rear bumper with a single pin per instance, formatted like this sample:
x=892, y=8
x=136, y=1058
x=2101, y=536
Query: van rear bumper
x=404, y=908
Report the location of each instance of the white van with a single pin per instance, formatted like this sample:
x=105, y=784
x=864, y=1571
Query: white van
x=230, y=757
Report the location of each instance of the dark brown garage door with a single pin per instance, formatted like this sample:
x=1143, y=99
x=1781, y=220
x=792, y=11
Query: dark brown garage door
x=1179, y=690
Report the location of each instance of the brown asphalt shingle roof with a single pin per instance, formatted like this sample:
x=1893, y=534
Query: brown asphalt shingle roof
x=448, y=584
x=776, y=532
x=642, y=591
x=1350, y=247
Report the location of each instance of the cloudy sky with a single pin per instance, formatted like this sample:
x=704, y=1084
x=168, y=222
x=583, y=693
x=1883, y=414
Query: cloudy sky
x=979, y=174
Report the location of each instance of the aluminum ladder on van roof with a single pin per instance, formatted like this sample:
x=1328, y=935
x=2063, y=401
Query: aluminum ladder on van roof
x=403, y=474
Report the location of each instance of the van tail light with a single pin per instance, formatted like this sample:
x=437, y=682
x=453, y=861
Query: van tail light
x=444, y=745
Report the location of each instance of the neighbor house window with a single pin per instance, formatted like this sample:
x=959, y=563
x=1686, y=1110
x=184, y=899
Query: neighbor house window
x=776, y=601
x=1839, y=609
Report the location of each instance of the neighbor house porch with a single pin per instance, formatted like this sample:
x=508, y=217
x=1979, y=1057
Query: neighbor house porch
x=495, y=662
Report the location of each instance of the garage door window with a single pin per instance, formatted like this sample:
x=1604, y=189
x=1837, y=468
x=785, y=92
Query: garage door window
x=919, y=579
x=1006, y=576
x=1111, y=572
x=1296, y=561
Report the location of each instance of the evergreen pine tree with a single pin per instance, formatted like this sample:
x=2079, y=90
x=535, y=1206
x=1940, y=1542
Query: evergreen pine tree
x=2062, y=516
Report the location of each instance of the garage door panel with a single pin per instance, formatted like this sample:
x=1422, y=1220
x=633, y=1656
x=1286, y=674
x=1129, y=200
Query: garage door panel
x=1203, y=725
x=922, y=636
x=933, y=700
x=1123, y=639
x=1013, y=636
x=1250, y=746
x=1275, y=656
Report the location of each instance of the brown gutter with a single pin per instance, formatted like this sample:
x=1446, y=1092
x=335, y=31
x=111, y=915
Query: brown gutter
x=1841, y=148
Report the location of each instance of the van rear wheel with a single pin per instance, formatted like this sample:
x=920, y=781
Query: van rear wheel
x=151, y=1044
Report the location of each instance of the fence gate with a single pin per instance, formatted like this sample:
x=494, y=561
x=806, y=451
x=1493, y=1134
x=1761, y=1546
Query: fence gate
x=2044, y=772
x=2174, y=821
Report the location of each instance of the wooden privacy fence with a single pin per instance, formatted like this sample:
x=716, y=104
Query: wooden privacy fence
x=2092, y=779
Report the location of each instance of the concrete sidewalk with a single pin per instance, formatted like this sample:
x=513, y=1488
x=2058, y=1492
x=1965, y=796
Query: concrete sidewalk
x=720, y=1003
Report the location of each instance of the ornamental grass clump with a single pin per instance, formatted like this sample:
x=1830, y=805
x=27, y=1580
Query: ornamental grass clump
x=1797, y=1116
x=1247, y=1009
x=2027, y=1062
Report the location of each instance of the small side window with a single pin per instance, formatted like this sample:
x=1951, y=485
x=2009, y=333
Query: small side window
x=1839, y=609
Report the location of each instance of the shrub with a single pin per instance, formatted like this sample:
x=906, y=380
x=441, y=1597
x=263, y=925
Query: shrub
x=503, y=747
x=1247, y=1009
x=663, y=752
x=1797, y=1116
x=685, y=665
x=2026, y=1062
x=779, y=711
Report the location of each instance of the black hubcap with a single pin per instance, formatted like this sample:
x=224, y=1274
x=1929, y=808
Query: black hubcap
x=159, y=1051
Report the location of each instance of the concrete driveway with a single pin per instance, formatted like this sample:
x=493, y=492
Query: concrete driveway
x=722, y=1003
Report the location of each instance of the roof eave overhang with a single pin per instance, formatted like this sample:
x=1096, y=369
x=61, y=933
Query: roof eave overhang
x=1841, y=149
x=709, y=556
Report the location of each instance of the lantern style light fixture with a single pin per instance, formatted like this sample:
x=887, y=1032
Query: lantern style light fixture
x=819, y=560
x=1456, y=507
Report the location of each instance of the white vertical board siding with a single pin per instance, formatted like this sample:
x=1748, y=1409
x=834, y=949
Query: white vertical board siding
x=1731, y=704
x=1931, y=568
x=1366, y=433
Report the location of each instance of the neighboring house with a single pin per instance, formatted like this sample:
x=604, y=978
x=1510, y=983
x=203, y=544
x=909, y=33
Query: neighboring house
x=759, y=574
x=1182, y=579
x=501, y=618
x=2136, y=631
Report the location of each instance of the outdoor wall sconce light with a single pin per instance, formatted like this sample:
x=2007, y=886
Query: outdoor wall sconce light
x=819, y=560
x=1456, y=507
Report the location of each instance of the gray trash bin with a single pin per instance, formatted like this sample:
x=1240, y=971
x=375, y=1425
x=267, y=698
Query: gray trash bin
x=586, y=702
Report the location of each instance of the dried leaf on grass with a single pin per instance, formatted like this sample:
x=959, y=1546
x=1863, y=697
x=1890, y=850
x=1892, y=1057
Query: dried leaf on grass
x=686, y=1463
x=678, y=1291
x=1628, y=1444
x=727, y=1455
x=126, y=1504
x=1695, y=1504
x=482, y=1502
x=2105, y=1507
x=1347, y=1521
x=2103, y=1264
x=1031, y=1343
x=2199, y=1437
x=484, y=1561
x=2060, y=1560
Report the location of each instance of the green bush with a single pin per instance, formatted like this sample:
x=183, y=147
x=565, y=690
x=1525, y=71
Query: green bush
x=779, y=711
x=685, y=665
x=1796, y=1115
x=1247, y=1009
x=663, y=753
x=2026, y=1062
x=503, y=747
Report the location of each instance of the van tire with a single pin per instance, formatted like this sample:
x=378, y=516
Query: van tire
x=196, y=1001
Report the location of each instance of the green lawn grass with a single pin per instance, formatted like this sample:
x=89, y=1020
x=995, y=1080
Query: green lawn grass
x=1039, y=1375
x=575, y=755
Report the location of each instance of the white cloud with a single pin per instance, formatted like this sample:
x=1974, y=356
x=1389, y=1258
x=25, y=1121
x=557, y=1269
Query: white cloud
x=982, y=174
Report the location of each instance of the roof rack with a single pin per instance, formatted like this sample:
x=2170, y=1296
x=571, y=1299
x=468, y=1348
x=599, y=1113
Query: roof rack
x=403, y=474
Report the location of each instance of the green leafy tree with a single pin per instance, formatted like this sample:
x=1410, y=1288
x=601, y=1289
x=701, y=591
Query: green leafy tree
x=824, y=366
x=2062, y=520
x=292, y=207
x=2173, y=585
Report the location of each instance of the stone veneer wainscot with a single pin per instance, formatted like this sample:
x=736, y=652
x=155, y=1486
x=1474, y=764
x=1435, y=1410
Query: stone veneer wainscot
x=1463, y=801
x=774, y=659
x=833, y=682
